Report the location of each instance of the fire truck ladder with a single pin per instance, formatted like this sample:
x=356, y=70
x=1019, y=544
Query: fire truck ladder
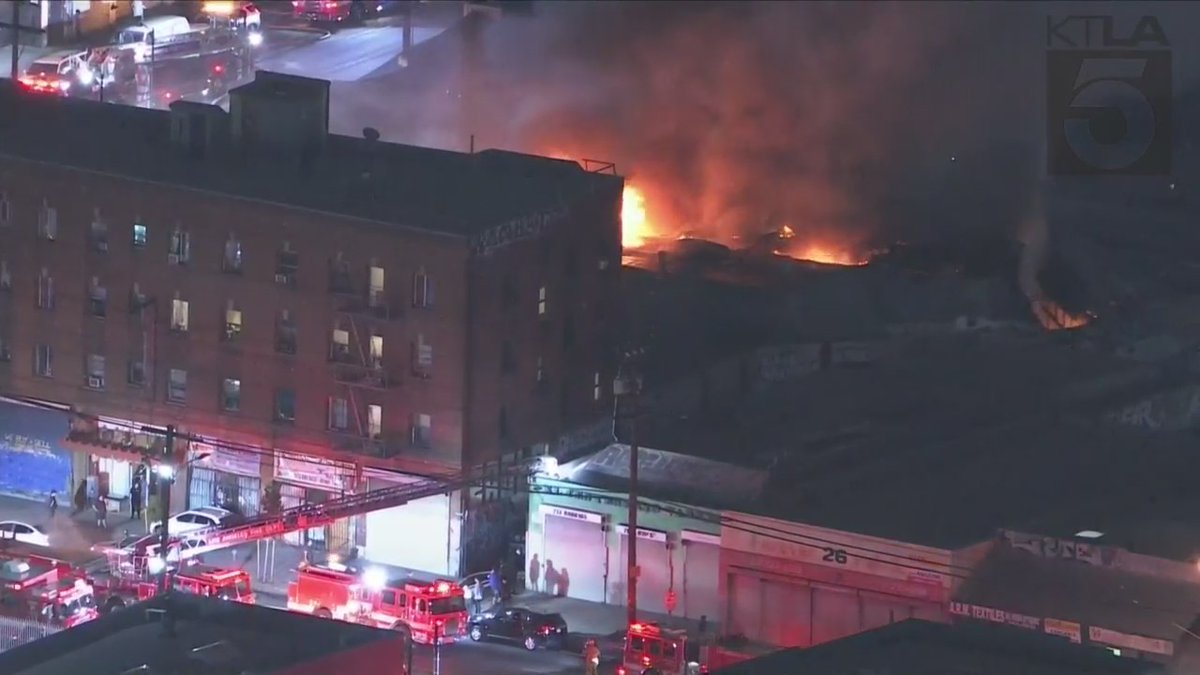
x=321, y=514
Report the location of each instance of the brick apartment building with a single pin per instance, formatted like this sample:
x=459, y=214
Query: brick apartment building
x=332, y=312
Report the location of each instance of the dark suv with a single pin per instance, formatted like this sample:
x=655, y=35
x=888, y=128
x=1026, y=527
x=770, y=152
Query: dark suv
x=518, y=625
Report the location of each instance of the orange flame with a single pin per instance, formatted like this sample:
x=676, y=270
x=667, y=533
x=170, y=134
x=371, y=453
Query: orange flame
x=824, y=254
x=635, y=225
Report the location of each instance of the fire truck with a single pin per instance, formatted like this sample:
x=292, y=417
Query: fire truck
x=338, y=11
x=431, y=612
x=650, y=648
x=35, y=591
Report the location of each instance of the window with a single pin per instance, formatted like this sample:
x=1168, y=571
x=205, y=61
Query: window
x=135, y=372
x=376, y=354
x=179, y=315
x=95, y=371
x=233, y=321
x=48, y=222
x=540, y=374
x=422, y=290
x=231, y=262
x=422, y=358
x=542, y=301
x=43, y=361
x=508, y=360
x=422, y=432
x=177, y=385
x=285, y=406
x=98, y=233
x=597, y=390
x=45, y=290
x=5, y=209
x=141, y=234
x=231, y=394
x=375, y=288
x=339, y=345
x=339, y=414
x=179, y=249
x=5, y=277
x=502, y=423
x=285, y=333
x=287, y=263
x=374, y=421
x=97, y=298
x=339, y=275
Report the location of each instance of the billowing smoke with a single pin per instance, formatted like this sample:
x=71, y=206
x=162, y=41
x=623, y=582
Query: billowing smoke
x=838, y=119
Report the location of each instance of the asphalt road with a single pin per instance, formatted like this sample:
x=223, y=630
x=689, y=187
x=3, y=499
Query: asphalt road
x=348, y=54
x=470, y=658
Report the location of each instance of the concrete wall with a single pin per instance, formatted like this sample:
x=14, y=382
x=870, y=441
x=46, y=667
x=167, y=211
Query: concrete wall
x=1174, y=410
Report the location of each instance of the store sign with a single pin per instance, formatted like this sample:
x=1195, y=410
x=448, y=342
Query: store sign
x=995, y=616
x=572, y=514
x=1068, y=629
x=225, y=460
x=522, y=228
x=314, y=472
x=648, y=535
x=1125, y=641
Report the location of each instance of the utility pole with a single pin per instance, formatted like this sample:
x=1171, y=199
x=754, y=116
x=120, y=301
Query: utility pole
x=165, y=478
x=627, y=388
x=16, y=41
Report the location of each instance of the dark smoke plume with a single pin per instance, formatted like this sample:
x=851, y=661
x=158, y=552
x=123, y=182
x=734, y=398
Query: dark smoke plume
x=864, y=122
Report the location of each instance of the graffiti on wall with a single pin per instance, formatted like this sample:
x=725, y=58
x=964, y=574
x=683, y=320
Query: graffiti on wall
x=1062, y=549
x=1174, y=410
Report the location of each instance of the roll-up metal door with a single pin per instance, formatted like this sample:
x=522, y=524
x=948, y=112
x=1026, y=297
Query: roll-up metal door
x=575, y=558
x=701, y=594
x=787, y=614
x=744, y=613
x=835, y=614
x=415, y=536
x=883, y=610
x=654, y=561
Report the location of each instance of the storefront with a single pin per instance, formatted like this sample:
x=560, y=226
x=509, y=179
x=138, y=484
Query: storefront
x=654, y=560
x=432, y=521
x=33, y=462
x=793, y=585
x=224, y=477
x=312, y=480
x=574, y=549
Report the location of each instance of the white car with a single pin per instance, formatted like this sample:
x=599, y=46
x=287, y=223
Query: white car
x=24, y=533
x=194, y=520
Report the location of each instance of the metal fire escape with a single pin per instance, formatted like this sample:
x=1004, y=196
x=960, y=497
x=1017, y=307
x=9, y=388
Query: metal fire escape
x=361, y=367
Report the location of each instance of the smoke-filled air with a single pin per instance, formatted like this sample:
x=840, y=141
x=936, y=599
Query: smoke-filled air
x=850, y=125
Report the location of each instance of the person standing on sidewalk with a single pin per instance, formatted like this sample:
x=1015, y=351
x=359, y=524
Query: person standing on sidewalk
x=591, y=658
x=53, y=503
x=496, y=582
x=101, y=513
x=477, y=596
x=135, y=500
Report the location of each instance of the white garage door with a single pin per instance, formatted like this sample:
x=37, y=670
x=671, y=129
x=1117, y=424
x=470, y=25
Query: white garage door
x=654, y=561
x=701, y=594
x=415, y=536
x=575, y=554
x=787, y=614
x=744, y=614
x=835, y=614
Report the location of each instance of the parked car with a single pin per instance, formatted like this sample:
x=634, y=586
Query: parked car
x=24, y=533
x=517, y=625
x=196, y=519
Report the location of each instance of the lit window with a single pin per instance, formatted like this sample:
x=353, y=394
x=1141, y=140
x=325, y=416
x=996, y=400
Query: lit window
x=140, y=235
x=339, y=345
x=542, y=301
x=231, y=394
x=177, y=383
x=375, y=289
x=376, y=351
x=285, y=406
x=232, y=260
x=374, y=421
x=95, y=371
x=179, y=315
x=45, y=290
x=48, y=222
x=43, y=361
x=233, y=321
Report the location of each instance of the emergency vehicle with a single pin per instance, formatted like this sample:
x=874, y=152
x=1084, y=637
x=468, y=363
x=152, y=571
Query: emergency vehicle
x=649, y=647
x=35, y=591
x=334, y=591
x=338, y=11
x=58, y=73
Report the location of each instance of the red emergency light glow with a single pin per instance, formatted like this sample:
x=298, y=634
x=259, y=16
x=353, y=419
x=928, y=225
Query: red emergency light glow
x=443, y=587
x=218, y=68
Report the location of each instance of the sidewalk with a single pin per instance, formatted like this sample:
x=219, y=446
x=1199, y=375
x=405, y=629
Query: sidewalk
x=66, y=532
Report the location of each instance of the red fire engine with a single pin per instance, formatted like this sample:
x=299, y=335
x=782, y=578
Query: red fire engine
x=337, y=11
x=650, y=648
x=33, y=590
x=333, y=591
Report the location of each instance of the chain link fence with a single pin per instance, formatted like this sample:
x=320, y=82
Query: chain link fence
x=16, y=632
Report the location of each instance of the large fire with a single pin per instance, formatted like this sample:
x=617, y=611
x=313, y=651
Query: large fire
x=635, y=224
x=814, y=251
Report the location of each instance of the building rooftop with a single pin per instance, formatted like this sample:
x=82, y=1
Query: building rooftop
x=917, y=647
x=209, y=637
x=444, y=192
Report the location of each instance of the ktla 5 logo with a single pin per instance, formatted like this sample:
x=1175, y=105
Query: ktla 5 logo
x=1108, y=96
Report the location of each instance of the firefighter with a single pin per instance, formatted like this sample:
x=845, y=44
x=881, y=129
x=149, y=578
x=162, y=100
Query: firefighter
x=591, y=658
